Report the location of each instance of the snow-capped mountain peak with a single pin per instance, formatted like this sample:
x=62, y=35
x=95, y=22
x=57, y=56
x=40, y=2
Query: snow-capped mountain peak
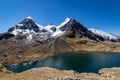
x=67, y=19
x=63, y=23
x=58, y=31
x=103, y=34
x=29, y=17
x=27, y=23
x=70, y=27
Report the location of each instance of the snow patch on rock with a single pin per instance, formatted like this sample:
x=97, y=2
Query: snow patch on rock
x=58, y=33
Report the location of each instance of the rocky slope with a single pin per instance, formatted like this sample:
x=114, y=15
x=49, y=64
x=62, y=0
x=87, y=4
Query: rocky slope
x=87, y=44
x=12, y=52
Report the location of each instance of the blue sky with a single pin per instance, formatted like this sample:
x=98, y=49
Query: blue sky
x=101, y=14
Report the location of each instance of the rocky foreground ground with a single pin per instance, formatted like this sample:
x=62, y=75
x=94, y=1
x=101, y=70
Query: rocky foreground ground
x=46, y=73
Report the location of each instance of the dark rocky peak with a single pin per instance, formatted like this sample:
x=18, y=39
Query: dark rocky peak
x=27, y=23
x=72, y=24
x=28, y=20
x=75, y=28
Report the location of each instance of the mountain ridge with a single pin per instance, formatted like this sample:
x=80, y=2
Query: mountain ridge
x=27, y=41
x=105, y=35
x=28, y=25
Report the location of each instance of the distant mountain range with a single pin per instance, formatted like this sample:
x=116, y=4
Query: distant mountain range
x=28, y=37
x=29, y=28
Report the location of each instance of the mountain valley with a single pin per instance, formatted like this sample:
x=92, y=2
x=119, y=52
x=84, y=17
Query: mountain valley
x=28, y=41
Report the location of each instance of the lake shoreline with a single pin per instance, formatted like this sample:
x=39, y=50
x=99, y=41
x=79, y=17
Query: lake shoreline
x=46, y=73
x=70, y=58
x=51, y=55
